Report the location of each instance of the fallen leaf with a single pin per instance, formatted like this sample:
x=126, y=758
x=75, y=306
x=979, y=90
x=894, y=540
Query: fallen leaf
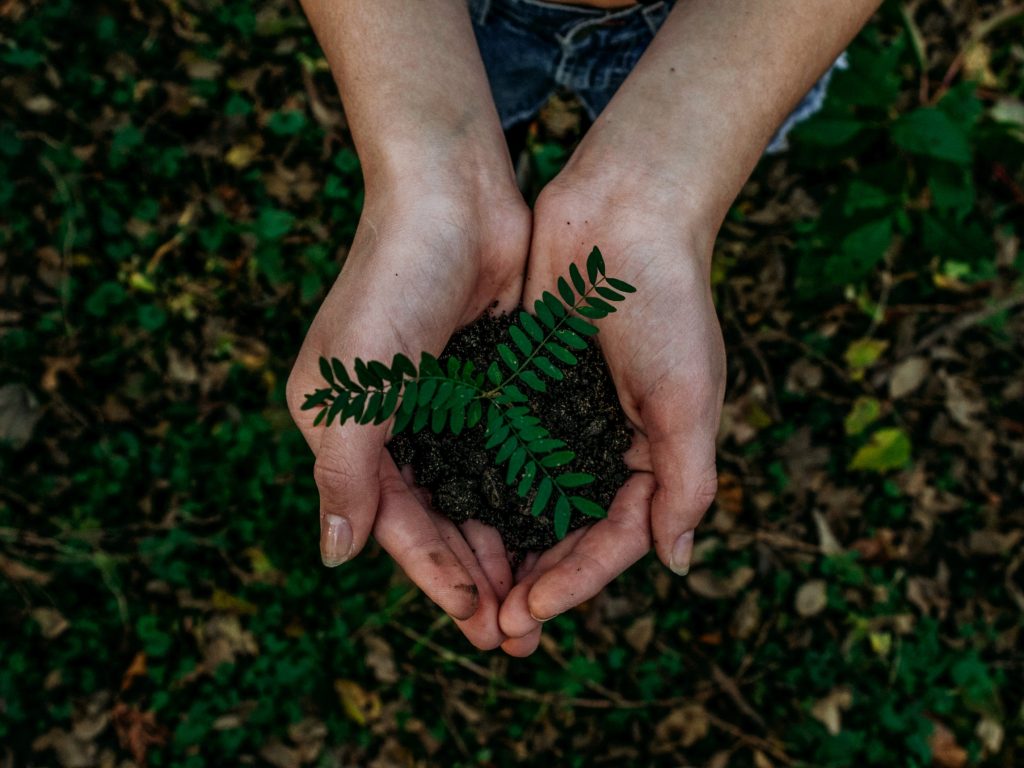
x=709, y=585
x=829, y=710
x=747, y=617
x=50, y=621
x=862, y=354
x=360, y=706
x=946, y=753
x=684, y=726
x=137, y=731
x=865, y=412
x=990, y=733
x=381, y=660
x=19, y=412
x=887, y=449
x=279, y=755
x=640, y=633
x=907, y=376
x=71, y=752
x=811, y=598
x=827, y=540
x=18, y=571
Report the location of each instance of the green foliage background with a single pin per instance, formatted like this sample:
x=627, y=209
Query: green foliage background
x=177, y=193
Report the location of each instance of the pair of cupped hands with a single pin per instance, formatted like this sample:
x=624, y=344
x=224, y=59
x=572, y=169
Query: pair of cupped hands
x=431, y=255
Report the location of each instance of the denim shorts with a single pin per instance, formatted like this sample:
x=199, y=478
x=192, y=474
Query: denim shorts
x=532, y=48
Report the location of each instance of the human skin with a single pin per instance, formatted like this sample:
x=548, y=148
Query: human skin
x=443, y=234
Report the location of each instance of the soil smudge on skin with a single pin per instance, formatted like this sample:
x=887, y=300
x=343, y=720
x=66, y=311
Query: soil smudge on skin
x=582, y=409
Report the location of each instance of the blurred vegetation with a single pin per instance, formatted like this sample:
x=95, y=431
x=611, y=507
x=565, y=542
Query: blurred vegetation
x=177, y=191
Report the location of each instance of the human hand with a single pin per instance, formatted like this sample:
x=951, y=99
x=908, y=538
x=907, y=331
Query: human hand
x=422, y=264
x=667, y=359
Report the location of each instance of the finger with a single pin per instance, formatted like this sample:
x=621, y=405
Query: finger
x=407, y=532
x=490, y=552
x=514, y=618
x=684, y=467
x=481, y=629
x=520, y=647
x=609, y=547
x=346, y=471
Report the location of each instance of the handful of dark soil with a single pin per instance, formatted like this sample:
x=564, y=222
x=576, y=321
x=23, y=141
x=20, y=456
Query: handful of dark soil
x=582, y=409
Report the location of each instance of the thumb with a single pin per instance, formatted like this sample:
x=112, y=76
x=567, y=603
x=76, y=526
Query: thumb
x=683, y=460
x=347, y=473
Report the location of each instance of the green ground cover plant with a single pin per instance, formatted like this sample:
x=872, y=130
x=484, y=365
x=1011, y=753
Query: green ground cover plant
x=178, y=191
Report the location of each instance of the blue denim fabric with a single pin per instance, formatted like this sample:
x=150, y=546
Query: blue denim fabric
x=531, y=48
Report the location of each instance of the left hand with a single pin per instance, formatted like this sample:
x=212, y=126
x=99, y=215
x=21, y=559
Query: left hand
x=667, y=359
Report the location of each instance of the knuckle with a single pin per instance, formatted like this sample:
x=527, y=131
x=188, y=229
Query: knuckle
x=706, y=489
x=332, y=477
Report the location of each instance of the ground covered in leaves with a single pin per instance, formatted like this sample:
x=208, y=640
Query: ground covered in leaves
x=177, y=192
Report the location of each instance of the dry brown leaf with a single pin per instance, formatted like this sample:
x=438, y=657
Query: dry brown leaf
x=640, y=633
x=70, y=751
x=747, y=617
x=51, y=622
x=907, y=376
x=137, y=731
x=280, y=756
x=683, y=726
x=18, y=571
x=381, y=660
x=707, y=584
x=946, y=753
x=829, y=710
x=811, y=598
x=361, y=706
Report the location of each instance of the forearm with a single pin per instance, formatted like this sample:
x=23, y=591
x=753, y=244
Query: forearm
x=414, y=89
x=695, y=115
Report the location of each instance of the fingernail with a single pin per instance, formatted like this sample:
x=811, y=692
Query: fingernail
x=540, y=621
x=681, y=554
x=335, y=540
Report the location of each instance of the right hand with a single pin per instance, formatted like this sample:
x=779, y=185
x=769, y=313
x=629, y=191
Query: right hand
x=423, y=263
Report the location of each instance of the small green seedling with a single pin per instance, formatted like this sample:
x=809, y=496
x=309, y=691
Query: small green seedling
x=456, y=396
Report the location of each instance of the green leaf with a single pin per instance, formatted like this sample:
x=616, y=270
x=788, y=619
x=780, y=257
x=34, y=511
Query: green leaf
x=476, y=412
x=526, y=481
x=515, y=463
x=403, y=366
x=577, y=280
x=387, y=406
x=620, y=285
x=497, y=437
x=515, y=394
x=551, y=302
x=581, y=326
x=571, y=338
x=320, y=417
x=574, y=479
x=420, y=420
x=354, y=407
x=541, y=499
x=336, y=407
x=527, y=434
x=547, y=367
x=609, y=294
x=530, y=324
x=506, y=450
x=458, y=419
x=546, y=445
x=427, y=390
x=561, y=353
x=533, y=381
x=588, y=507
x=341, y=374
x=866, y=410
x=520, y=339
x=494, y=374
x=562, y=517
x=557, y=459
x=591, y=312
x=402, y=418
x=507, y=355
x=325, y=370
x=317, y=398
x=887, y=449
x=931, y=132
x=595, y=264
x=371, y=408
x=543, y=313
x=438, y=419
x=367, y=376
x=600, y=304
x=380, y=371
x=567, y=295
x=442, y=398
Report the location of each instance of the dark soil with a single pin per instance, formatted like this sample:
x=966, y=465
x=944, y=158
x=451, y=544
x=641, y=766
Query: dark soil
x=583, y=410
